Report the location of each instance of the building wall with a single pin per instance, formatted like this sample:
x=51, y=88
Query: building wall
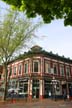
x=24, y=71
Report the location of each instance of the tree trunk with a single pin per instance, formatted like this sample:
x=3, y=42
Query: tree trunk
x=5, y=82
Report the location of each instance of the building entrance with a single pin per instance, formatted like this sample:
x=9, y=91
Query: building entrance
x=35, y=89
x=23, y=86
x=47, y=89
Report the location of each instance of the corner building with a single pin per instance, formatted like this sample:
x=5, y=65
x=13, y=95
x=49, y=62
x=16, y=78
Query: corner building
x=38, y=73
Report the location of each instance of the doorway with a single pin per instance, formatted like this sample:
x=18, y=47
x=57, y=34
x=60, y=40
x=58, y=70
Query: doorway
x=35, y=89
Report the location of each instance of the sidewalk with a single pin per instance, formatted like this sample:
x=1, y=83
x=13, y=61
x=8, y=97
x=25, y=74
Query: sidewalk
x=45, y=103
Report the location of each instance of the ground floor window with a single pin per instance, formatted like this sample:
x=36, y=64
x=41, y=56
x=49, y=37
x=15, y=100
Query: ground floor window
x=23, y=86
x=47, y=88
x=35, y=89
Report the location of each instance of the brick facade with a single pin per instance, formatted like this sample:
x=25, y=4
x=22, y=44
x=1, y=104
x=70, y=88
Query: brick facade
x=34, y=76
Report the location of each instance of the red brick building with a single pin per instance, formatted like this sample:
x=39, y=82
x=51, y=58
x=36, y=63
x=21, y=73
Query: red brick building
x=40, y=74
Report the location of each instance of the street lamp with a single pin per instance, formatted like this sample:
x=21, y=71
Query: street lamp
x=67, y=86
x=35, y=92
x=54, y=83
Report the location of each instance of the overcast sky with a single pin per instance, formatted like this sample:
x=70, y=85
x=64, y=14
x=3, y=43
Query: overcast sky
x=54, y=37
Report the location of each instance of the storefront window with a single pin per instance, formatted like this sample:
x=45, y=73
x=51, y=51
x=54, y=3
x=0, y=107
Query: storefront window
x=35, y=89
x=47, y=88
x=23, y=86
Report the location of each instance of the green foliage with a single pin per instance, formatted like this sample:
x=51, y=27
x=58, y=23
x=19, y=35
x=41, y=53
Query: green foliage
x=48, y=9
x=15, y=33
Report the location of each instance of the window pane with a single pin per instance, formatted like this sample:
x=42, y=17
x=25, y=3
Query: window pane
x=55, y=68
x=67, y=71
x=35, y=66
x=47, y=67
x=62, y=70
x=14, y=70
x=19, y=69
x=26, y=68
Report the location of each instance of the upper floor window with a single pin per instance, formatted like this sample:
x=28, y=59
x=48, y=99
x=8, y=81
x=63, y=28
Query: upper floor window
x=19, y=68
x=10, y=71
x=36, y=66
x=14, y=70
x=67, y=71
x=47, y=67
x=26, y=68
x=55, y=68
x=62, y=70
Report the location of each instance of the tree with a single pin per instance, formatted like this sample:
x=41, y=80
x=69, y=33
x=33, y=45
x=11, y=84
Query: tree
x=15, y=33
x=48, y=9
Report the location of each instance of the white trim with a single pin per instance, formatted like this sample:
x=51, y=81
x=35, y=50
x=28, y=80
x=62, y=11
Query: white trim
x=27, y=66
x=37, y=57
x=56, y=68
x=18, y=68
x=61, y=66
x=45, y=58
x=38, y=66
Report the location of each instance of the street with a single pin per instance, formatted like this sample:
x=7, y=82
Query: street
x=39, y=104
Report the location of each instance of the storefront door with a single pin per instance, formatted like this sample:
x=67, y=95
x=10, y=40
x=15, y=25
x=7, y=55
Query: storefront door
x=35, y=89
x=47, y=89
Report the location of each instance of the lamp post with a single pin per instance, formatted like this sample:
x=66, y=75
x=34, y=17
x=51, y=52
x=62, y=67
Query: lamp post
x=54, y=83
x=67, y=86
x=35, y=91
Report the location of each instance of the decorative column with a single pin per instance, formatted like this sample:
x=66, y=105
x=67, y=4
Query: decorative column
x=41, y=89
x=67, y=87
x=42, y=66
x=58, y=69
x=30, y=89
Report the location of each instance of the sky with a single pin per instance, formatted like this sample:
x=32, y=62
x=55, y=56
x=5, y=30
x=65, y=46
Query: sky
x=53, y=37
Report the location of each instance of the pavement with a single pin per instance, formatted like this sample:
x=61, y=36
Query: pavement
x=46, y=103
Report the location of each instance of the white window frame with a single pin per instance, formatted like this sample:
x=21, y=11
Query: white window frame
x=25, y=67
x=20, y=69
x=62, y=72
x=67, y=69
x=56, y=68
x=38, y=65
x=14, y=70
x=47, y=67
